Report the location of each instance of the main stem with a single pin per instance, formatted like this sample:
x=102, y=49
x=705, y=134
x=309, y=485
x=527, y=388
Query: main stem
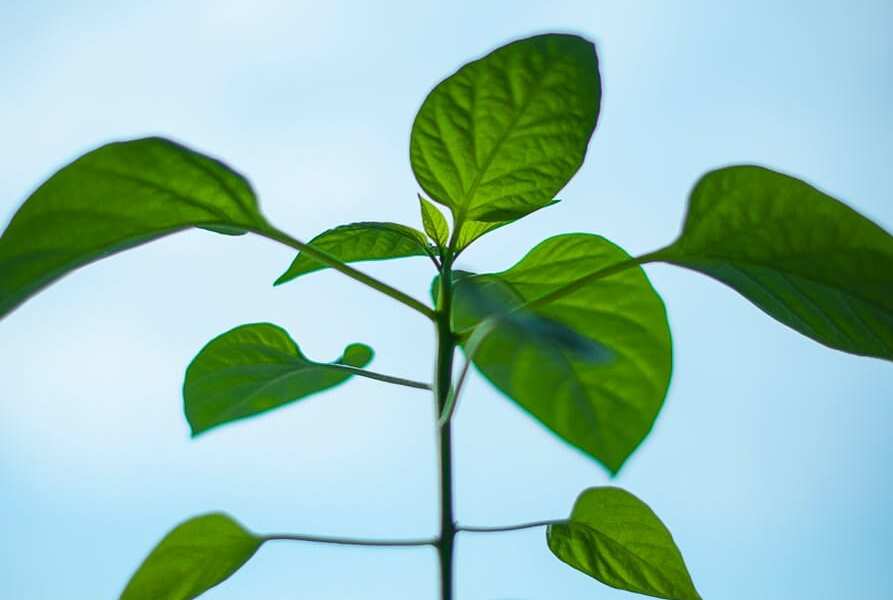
x=446, y=346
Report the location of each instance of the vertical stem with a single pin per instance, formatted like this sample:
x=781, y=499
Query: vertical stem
x=446, y=346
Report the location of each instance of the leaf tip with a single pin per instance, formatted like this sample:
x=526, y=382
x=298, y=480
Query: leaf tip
x=195, y=430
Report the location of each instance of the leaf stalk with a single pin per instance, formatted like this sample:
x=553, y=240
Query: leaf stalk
x=348, y=541
x=499, y=529
x=382, y=377
x=330, y=261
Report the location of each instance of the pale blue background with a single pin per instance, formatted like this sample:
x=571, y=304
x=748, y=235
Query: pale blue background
x=770, y=462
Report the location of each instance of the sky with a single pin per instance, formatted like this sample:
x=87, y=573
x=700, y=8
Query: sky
x=769, y=462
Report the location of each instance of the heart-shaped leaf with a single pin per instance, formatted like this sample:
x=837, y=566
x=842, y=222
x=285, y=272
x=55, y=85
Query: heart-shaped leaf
x=806, y=259
x=500, y=137
x=113, y=198
x=606, y=407
x=194, y=557
x=359, y=242
x=255, y=368
x=616, y=538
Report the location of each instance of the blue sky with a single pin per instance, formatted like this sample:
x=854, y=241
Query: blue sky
x=770, y=461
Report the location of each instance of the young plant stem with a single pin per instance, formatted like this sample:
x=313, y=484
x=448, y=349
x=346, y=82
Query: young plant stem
x=470, y=347
x=443, y=374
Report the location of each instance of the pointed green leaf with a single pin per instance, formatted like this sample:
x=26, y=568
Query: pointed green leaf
x=472, y=230
x=806, y=259
x=358, y=242
x=501, y=136
x=434, y=222
x=616, y=538
x=194, y=557
x=604, y=409
x=113, y=198
x=255, y=368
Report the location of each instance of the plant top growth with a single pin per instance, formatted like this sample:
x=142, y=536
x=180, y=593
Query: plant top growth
x=573, y=332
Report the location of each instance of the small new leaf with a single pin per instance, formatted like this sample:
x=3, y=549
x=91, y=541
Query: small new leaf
x=360, y=242
x=604, y=407
x=805, y=258
x=500, y=137
x=253, y=369
x=114, y=198
x=435, y=223
x=617, y=539
x=194, y=557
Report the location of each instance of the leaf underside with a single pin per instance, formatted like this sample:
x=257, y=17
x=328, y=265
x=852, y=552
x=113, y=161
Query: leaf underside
x=255, y=368
x=805, y=258
x=194, y=557
x=116, y=197
x=617, y=539
x=360, y=242
x=604, y=408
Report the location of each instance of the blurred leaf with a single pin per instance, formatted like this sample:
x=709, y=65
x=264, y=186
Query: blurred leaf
x=604, y=408
x=616, y=538
x=435, y=224
x=489, y=297
x=114, y=198
x=493, y=306
x=806, y=259
x=197, y=555
x=500, y=137
x=358, y=242
x=255, y=368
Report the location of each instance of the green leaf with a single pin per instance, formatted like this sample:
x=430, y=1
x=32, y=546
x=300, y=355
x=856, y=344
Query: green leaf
x=494, y=304
x=616, y=538
x=806, y=259
x=472, y=230
x=606, y=408
x=113, y=198
x=224, y=230
x=255, y=368
x=500, y=137
x=358, y=242
x=194, y=557
x=434, y=222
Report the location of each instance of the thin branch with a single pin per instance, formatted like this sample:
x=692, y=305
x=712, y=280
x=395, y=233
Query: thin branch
x=471, y=347
x=449, y=408
x=382, y=377
x=330, y=261
x=512, y=527
x=348, y=541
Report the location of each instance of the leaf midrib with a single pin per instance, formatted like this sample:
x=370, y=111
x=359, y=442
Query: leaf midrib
x=786, y=272
x=472, y=190
x=618, y=544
